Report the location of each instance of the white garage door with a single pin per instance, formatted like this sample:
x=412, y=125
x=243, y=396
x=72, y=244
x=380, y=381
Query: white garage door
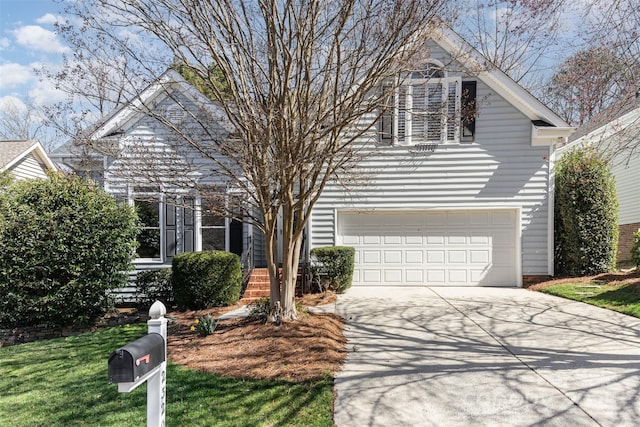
x=435, y=248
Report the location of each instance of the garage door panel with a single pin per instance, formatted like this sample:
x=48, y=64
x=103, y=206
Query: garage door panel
x=371, y=257
x=392, y=240
x=435, y=257
x=457, y=257
x=393, y=276
x=432, y=248
x=457, y=276
x=480, y=257
x=414, y=257
x=414, y=276
x=413, y=240
x=436, y=276
x=372, y=276
x=350, y=240
x=393, y=257
x=435, y=240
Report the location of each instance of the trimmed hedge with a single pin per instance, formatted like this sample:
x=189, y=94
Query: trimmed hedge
x=206, y=279
x=332, y=267
x=635, y=250
x=64, y=243
x=154, y=285
x=586, y=214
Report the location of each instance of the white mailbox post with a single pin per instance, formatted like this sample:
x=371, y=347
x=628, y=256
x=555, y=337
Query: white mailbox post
x=135, y=356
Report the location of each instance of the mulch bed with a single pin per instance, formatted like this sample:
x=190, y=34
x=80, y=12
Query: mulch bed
x=311, y=347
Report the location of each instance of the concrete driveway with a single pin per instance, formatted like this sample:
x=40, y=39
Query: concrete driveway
x=485, y=357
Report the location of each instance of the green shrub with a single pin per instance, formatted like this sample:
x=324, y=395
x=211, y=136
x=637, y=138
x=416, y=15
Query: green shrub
x=64, y=243
x=206, y=279
x=152, y=286
x=260, y=308
x=332, y=267
x=635, y=250
x=586, y=214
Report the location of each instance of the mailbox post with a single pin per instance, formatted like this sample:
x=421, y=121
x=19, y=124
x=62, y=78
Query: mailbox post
x=145, y=360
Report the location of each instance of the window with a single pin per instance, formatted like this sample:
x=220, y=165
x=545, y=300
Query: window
x=427, y=108
x=168, y=226
x=213, y=231
x=149, y=237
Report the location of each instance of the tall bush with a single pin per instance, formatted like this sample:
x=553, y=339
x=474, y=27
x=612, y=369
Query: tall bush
x=332, y=267
x=586, y=214
x=64, y=243
x=635, y=249
x=206, y=279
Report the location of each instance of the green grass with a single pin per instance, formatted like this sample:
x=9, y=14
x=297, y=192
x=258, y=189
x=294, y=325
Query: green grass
x=622, y=298
x=63, y=382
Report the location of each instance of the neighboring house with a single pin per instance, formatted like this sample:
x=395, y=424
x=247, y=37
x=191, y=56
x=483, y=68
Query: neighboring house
x=25, y=159
x=452, y=199
x=616, y=139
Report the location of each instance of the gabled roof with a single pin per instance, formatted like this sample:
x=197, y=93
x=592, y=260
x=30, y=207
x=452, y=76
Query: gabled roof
x=12, y=152
x=547, y=126
x=161, y=88
x=628, y=123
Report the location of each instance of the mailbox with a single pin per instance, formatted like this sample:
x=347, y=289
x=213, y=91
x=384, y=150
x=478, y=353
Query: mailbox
x=127, y=364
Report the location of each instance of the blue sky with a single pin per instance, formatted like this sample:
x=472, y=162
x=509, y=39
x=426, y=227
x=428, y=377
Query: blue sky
x=28, y=41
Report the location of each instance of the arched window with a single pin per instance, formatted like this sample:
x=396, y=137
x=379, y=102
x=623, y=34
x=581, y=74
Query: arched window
x=423, y=108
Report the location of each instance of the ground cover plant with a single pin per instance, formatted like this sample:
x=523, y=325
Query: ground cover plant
x=614, y=291
x=63, y=382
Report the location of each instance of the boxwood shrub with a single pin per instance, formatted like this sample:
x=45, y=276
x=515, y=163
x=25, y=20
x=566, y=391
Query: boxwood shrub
x=154, y=285
x=586, y=214
x=332, y=267
x=206, y=279
x=64, y=244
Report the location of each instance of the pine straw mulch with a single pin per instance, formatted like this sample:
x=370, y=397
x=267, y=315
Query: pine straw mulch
x=309, y=348
x=624, y=277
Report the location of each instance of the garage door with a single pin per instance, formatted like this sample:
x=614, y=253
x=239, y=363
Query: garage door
x=443, y=248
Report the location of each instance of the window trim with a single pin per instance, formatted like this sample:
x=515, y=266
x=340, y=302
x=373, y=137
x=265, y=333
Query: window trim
x=145, y=197
x=396, y=115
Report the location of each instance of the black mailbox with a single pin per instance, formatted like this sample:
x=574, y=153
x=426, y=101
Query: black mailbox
x=135, y=359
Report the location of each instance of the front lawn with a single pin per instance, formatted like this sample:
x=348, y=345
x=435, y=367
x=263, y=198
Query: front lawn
x=619, y=292
x=63, y=382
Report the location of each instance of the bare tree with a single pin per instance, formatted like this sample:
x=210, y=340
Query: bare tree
x=517, y=36
x=590, y=82
x=24, y=121
x=297, y=80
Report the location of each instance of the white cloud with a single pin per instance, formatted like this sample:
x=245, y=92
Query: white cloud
x=14, y=74
x=4, y=43
x=12, y=103
x=50, y=18
x=44, y=92
x=38, y=38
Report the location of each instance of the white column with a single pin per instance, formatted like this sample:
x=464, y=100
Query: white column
x=157, y=384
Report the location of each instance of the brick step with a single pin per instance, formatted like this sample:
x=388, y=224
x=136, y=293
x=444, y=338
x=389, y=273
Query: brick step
x=258, y=286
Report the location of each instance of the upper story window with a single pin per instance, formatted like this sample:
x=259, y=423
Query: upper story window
x=428, y=107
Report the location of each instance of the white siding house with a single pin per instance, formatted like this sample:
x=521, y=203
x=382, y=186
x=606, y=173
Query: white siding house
x=465, y=207
x=619, y=140
x=25, y=159
x=449, y=198
x=139, y=159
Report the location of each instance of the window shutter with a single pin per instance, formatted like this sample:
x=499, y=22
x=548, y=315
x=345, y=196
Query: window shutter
x=468, y=110
x=171, y=238
x=188, y=222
